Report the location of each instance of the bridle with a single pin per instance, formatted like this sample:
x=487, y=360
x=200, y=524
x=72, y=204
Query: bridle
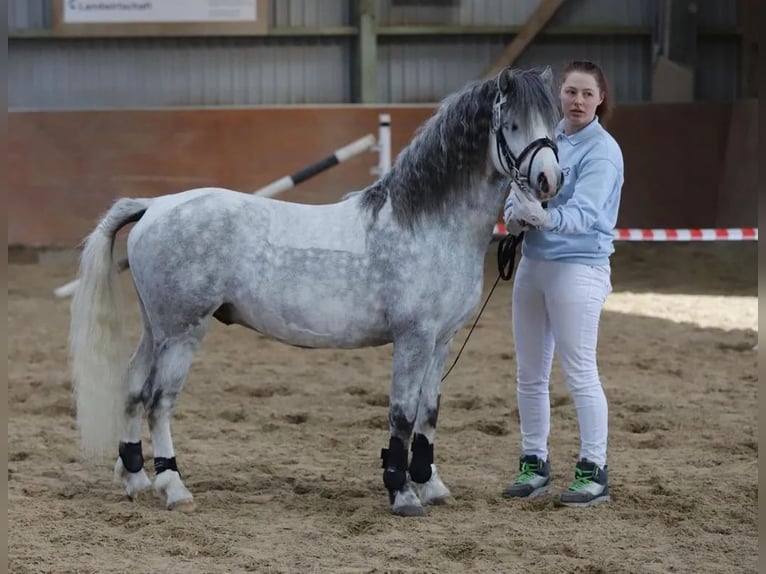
x=511, y=163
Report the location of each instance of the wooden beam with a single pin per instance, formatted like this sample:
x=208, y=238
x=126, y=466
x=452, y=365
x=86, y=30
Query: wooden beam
x=367, y=52
x=504, y=30
x=749, y=48
x=681, y=37
x=536, y=22
x=423, y=31
x=283, y=31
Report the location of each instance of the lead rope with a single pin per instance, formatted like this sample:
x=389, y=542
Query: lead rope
x=506, y=258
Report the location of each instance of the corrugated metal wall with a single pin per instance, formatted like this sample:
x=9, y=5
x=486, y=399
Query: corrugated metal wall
x=95, y=73
x=29, y=14
x=424, y=70
x=713, y=13
x=717, y=78
x=161, y=72
x=310, y=13
x=515, y=13
x=572, y=13
x=36, y=14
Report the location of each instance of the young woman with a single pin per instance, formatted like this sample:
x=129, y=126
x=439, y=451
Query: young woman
x=561, y=283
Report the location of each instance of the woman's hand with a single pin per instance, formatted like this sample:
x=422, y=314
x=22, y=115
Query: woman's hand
x=526, y=210
x=512, y=226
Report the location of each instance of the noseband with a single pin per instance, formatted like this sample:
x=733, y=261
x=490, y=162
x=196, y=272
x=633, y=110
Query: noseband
x=511, y=163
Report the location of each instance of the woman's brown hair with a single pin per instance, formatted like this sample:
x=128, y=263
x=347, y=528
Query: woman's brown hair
x=606, y=107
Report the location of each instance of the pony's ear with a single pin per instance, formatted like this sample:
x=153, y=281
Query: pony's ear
x=547, y=75
x=504, y=79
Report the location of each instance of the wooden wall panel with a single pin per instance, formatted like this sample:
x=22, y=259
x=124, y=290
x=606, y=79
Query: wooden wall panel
x=65, y=168
x=738, y=185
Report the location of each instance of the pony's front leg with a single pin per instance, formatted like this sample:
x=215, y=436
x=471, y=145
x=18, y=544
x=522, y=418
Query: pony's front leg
x=412, y=357
x=428, y=485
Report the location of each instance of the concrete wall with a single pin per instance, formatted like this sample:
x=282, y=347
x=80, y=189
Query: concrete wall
x=65, y=168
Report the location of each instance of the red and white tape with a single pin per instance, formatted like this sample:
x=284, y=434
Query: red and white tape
x=713, y=234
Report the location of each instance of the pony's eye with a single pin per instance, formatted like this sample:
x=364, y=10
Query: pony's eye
x=514, y=127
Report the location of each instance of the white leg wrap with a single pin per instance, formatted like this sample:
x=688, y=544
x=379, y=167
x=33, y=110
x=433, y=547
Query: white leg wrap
x=168, y=484
x=132, y=482
x=434, y=491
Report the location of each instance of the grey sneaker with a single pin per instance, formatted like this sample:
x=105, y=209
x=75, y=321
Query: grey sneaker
x=534, y=478
x=590, y=486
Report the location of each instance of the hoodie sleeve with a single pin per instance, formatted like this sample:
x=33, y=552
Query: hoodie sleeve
x=595, y=183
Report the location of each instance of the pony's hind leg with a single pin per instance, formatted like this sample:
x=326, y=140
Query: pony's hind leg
x=172, y=360
x=425, y=478
x=129, y=468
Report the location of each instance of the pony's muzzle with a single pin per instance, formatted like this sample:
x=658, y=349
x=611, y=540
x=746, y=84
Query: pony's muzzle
x=548, y=185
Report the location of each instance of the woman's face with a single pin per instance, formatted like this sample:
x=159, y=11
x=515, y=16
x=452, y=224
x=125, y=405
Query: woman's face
x=580, y=96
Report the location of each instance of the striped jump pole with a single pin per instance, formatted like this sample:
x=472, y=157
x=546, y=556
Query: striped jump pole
x=338, y=156
x=368, y=142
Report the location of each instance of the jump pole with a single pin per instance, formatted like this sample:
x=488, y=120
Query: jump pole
x=338, y=156
x=276, y=187
x=383, y=147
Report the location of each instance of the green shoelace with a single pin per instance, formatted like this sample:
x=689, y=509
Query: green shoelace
x=582, y=479
x=527, y=473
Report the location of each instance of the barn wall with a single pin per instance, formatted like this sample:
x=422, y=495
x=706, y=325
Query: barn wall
x=65, y=168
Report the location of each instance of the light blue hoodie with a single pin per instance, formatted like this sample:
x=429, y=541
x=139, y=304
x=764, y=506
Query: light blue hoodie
x=583, y=214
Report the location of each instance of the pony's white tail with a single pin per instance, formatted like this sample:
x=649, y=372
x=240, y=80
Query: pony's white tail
x=98, y=349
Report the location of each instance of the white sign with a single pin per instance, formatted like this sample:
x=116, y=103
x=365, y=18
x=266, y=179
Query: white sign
x=129, y=11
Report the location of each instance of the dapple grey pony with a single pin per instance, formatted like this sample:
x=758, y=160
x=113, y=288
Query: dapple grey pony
x=398, y=262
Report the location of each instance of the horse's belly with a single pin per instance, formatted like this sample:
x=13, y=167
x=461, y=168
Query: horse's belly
x=317, y=322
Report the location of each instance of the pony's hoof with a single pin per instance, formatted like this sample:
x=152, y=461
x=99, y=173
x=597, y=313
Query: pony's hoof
x=437, y=500
x=410, y=510
x=407, y=503
x=434, y=491
x=168, y=485
x=185, y=506
x=132, y=482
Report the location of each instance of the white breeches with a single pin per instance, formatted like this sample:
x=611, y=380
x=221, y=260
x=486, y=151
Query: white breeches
x=558, y=305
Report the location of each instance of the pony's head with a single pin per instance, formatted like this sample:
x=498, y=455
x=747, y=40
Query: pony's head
x=522, y=141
